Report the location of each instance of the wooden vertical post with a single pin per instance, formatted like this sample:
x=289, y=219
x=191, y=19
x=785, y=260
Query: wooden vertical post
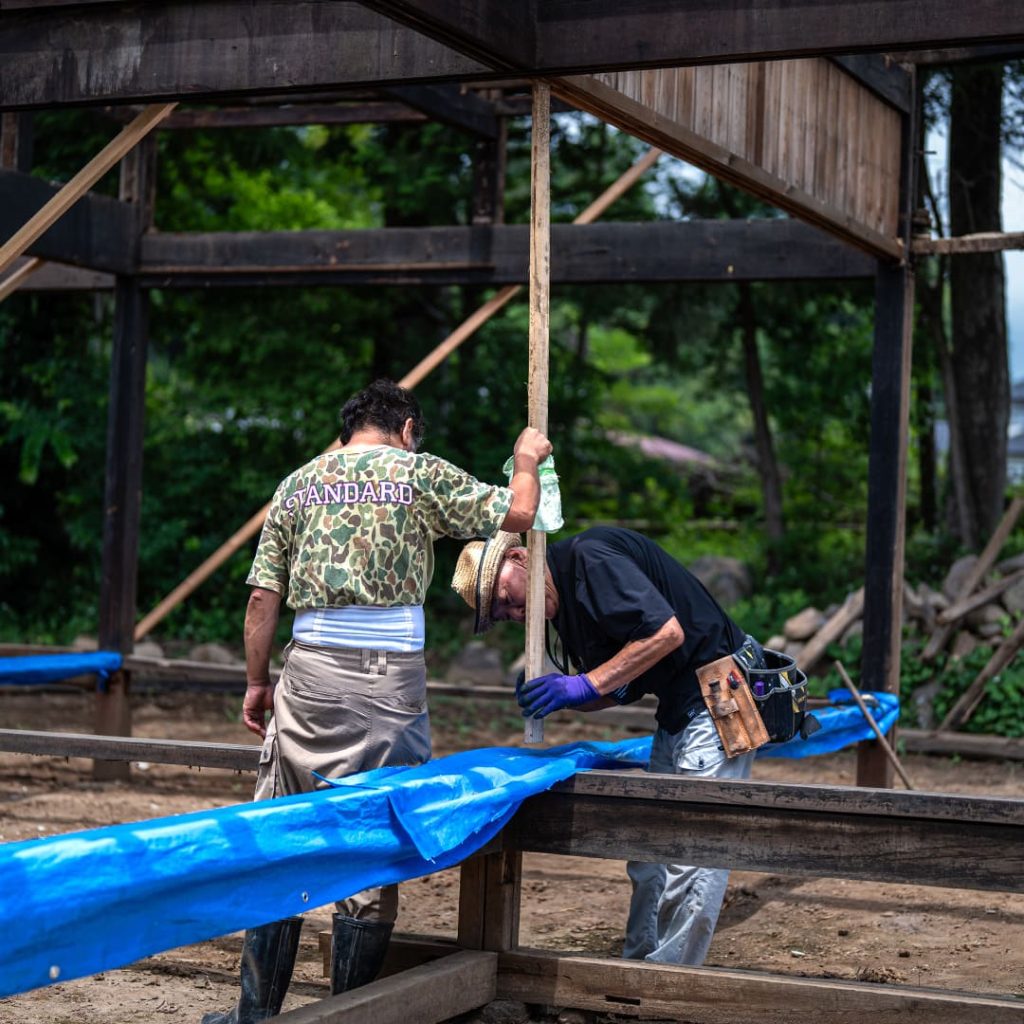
x=887, y=474
x=123, y=488
x=488, y=204
x=537, y=385
x=490, y=886
x=16, y=142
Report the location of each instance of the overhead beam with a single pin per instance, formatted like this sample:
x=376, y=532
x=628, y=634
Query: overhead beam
x=446, y=103
x=569, y=37
x=122, y=52
x=293, y=114
x=706, y=250
x=96, y=232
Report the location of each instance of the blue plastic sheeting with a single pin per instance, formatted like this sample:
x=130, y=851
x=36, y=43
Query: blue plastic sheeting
x=91, y=901
x=35, y=669
x=842, y=725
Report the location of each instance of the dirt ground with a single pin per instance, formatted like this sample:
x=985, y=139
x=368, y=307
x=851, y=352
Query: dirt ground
x=825, y=928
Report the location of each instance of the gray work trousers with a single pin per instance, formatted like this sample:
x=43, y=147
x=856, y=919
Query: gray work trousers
x=674, y=909
x=338, y=711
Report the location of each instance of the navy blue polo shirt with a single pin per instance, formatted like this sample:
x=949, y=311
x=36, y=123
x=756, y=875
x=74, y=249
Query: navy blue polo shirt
x=614, y=586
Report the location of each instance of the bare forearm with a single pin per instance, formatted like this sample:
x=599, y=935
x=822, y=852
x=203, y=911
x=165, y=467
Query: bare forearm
x=525, y=485
x=636, y=658
x=261, y=616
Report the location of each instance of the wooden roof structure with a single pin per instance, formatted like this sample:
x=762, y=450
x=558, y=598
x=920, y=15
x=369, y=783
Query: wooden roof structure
x=801, y=102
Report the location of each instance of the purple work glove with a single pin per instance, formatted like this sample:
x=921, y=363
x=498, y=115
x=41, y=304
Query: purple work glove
x=541, y=696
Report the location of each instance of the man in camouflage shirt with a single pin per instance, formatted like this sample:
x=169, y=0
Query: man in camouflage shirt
x=348, y=543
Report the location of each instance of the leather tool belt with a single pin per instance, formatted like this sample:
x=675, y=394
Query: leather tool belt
x=751, y=704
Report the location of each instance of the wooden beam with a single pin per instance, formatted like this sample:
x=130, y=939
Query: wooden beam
x=984, y=241
x=537, y=381
x=97, y=232
x=237, y=757
x=714, y=995
x=612, y=252
x=449, y=105
x=428, y=994
x=293, y=114
x=882, y=75
x=127, y=52
x=21, y=273
x=656, y=120
x=59, y=277
x=100, y=164
x=952, y=851
x=566, y=37
x=490, y=887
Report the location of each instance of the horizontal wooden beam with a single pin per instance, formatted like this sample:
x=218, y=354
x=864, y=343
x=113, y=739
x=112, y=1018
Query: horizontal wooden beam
x=59, y=277
x=569, y=37
x=447, y=104
x=715, y=995
x=123, y=52
x=985, y=241
x=128, y=52
x=293, y=114
x=846, y=842
x=238, y=757
x=657, y=251
x=428, y=994
x=97, y=232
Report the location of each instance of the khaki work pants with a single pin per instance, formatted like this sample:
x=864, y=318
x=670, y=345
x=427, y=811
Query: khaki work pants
x=338, y=711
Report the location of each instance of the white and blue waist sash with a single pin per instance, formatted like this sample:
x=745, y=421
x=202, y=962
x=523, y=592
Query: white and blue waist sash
x=400, y=628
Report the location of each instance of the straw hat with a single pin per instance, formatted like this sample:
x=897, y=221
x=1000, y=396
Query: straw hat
x=476, y=573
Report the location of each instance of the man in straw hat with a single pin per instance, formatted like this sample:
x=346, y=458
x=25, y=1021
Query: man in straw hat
x=630, y=620
x=348, y=542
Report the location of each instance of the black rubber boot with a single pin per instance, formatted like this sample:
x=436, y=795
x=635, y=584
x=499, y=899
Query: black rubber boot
x=358, y=949
x=268, y=958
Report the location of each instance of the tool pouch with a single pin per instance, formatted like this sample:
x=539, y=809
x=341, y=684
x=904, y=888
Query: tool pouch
x=780, y=693
x=728, y=697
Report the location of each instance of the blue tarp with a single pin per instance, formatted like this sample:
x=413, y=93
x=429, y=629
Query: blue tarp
x=842, y=725
x=34, y=669
x=81, y=903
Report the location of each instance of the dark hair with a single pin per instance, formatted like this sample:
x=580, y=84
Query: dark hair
x=385, y=405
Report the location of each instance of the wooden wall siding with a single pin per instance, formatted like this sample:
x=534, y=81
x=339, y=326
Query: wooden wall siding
x=803, y=133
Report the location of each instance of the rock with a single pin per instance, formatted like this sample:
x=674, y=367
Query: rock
x=933, y=597
x=985, y=615
x=728, y=579
x=856, y=628
x=1008, y=565
x=803, y=625
x=957, y=575
x=916, y=607
x=776, y=643
x=963, y=644
x=148, y=649
x=989, y=630
x=83, y=642
x=476, y=664
x=504, y=1011
x=213, y=654
x=1013, y=597
x=570, y=1016
x=794, y=648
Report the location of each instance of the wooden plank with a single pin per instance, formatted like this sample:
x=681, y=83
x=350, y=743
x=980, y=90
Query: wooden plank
x=22, y=271
x=955, y=612
x=698, y=250
x=984, y=241
x=239, y=757
x=846, y=801
x=848, y=613
x=713, y=995
x=937, y=641
x=66, y=197
x=611, y=105
x=293, y=114
x=955, y=854
x=886, y=519
x=490, y=888
x=131, y=52
x=97, y=232
x=537, y=375
x=449, y=105
x=60, y=277
x=428, y=994
x=919, y=741
x=883, y=75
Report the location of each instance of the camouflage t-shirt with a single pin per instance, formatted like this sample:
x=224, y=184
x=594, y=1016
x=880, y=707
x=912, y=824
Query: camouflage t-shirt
x=359, y=527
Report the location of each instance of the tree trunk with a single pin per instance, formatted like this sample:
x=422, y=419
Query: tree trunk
x=980, y=363
x=768, y=468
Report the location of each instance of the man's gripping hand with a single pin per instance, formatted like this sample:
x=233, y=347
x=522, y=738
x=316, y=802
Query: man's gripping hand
x=541, y=696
